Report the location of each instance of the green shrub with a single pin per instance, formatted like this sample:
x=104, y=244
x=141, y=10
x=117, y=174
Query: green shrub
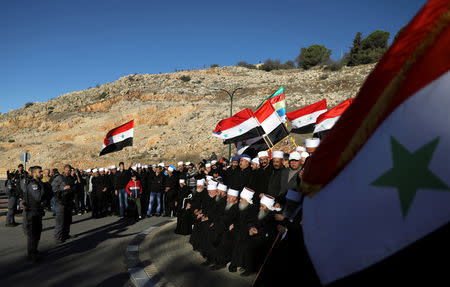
x=11, y=140
x=102, y=96
x=185, y=78
x=370, y=49
x=270, y=65
x=324, y=76
x=312, y=56
x=29, y=104
x=214, y=66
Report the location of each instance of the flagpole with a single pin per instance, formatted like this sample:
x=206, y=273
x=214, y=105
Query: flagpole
x=267, y=257
x=293, y=141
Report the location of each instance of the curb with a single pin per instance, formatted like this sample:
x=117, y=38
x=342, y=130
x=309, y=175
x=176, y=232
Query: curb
x=135, y=267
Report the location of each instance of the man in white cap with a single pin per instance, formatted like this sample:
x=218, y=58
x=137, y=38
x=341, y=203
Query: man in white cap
x=300, y=149
x=255, y=164
x=247, y=213
x=241, y=177
x=121, y=180
x=274, y=184
x=99, y=187
x=191, y=174
x=170, y=193
x=290, y=182
x=112, y=203
x=260, y=178
x=184, y=217
x=304, y=155
x=311, y=144
x=262, y=235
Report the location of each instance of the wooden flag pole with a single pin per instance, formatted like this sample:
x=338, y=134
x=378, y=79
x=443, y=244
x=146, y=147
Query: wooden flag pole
x=267, y=143
x=294, y=141
x=267, y=257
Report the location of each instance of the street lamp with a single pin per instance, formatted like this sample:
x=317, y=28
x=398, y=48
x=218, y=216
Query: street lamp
x=231, y=95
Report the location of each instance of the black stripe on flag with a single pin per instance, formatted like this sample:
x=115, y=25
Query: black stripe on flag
x=117, y=146
x=255, y=132
x=278, y=134
x=308, y=129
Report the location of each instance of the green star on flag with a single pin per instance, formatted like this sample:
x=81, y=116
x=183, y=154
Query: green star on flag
x=410, y=172
x=225, y=136
x=123, y=136
x=240, y=130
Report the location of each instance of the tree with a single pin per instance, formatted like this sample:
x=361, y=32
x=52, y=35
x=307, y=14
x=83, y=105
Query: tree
x=270, y=65
x=353, y=61
x=312, y=56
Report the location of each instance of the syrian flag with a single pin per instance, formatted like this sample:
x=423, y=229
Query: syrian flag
x=274, y=129
x=118, y=138
x=327, y=120
x=252, y=146
x=304, y=120
x=241, y=126
x=378, y=184
x=278, y=101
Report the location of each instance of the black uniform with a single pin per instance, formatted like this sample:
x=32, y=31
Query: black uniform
x=12, y=192
x=32, y=216
x=170, y=195
x=184, y=222
x=64, y=205
x=98, y=195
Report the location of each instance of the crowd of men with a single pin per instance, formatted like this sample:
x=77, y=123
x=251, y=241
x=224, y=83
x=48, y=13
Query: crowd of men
x=233, y=211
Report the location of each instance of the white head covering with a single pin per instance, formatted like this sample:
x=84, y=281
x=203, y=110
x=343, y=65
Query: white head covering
x=222, y=187
x=208, y=165
x=134, y=168
x=263, y=154
x=154, y=165
x=209, y=177
x=161, y=164
x=138, y=165
x=213, y=161
x=268, y=201
x=247, y=194
x=278, y=154
x=255, y=160
x=145, y=166
x=246, y=157
x=300, y=149
x=304, y=154
x=101, y=169
x=294, y=156
x=212, y=185
x=180, y=163
x=312, y=142
x=113, y=167
x=170, y=169
x=201, y=181
x=233, y=192
x=188, y=163
x=182, y=180
x=88, y=170
x=95, y=170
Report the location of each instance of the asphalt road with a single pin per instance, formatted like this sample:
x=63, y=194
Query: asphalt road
x=94, y=257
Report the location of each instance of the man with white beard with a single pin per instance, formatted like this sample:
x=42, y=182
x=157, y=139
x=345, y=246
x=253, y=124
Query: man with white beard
x=261, y=236
x=226, y=234
x=247, y=215
x=196, y=206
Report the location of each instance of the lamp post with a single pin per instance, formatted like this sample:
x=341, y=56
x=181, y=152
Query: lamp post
x=231, y=95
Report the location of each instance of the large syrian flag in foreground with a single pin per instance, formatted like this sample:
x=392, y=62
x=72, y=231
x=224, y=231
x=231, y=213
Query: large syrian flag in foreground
x=379, y=182
x=241, y=126
x=274, y=129
x=326, y=120
x=304, y=120
x=118, y=138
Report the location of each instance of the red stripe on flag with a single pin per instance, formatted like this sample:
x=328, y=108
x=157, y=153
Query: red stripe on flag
x=319, y=106
x=334, y=112
x=264, y=112
x=118, y=130
x=233, y=121
x=428, y=66
x=279, y=98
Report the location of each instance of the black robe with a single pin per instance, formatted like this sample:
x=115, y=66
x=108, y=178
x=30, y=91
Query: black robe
x=247, y=218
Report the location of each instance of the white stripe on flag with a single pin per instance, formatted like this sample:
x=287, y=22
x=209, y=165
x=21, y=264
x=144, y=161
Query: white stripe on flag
x=271, y=123
x=326, y=124
x=307, y=119
x=238, y=130
x=120, y=137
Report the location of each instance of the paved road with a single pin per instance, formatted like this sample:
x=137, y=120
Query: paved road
x=95, y=257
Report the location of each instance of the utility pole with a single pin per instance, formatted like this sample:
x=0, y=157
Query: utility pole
x=231, y=95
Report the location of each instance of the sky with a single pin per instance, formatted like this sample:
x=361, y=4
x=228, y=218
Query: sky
x=48, y=48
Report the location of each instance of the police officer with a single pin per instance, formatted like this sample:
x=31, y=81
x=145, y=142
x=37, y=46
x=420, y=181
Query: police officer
x=12, y=192
x=33, y=212
x=63, y=189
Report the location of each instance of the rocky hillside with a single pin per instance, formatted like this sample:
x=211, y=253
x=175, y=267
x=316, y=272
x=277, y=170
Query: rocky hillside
x=174, y=116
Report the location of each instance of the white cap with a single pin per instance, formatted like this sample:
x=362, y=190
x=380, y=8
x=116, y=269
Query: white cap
x=300, y=148
x=154, y=165
x=209, y=177
x=88, y=170
x=278, y=154
x=170, y=169
x=95, y=170
x=101, y=169
x=113, y=167
x=294, y=156
x=304, y=154
x=233, y=192
x=182, y=180
x=247, y=194
x=180, y=163
x=138, y=165
x=188, y=163
x=263, y=154
x=255, y=160
x=268, y=201
x=201, y=181
x=145, y=166
x=161, y=164
x=222, y=187
x=208, y=165
x=312, y=142
x=246, y=157
x=134, y=167
x=213, y=161
x=212, y=185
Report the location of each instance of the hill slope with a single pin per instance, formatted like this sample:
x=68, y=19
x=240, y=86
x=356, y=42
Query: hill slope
x=173, y=118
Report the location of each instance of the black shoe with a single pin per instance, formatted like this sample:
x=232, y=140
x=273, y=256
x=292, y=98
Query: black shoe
x=33, y=258
x=148, y=216
x=232, y=268
x=60, y=241
x=217, y=266
x=206, y=263
x=157, y=215
x=246, y=273
x=11, y=225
